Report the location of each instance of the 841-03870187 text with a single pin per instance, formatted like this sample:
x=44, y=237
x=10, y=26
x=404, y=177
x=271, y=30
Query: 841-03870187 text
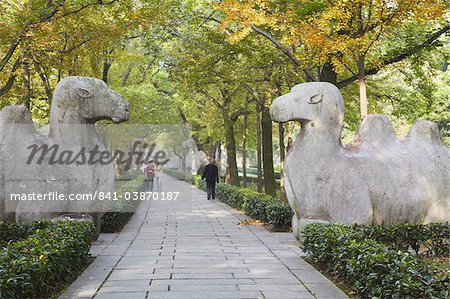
x=138, y=195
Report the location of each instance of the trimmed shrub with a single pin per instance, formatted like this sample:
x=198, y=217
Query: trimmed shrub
x=374, y=269
x=279, y=214
x=14, y=231
x=36, y=266
x=256, y=204
x=438, y=238
x=230, y=195
x=434, y=236
x=198, y=182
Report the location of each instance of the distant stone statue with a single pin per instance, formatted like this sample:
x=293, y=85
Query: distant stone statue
x=375, y=179
x=196, y=159
x=78, y=103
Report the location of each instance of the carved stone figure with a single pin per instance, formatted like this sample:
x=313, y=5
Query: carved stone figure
x=78, y=103
x=24, y=128
x=376, y=179
x=196, y=159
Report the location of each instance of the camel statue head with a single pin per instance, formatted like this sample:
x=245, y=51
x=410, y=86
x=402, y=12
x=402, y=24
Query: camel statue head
x=86, y=100
x=312, y=102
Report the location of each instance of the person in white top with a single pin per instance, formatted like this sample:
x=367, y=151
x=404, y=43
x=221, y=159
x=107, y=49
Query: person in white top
x=158, y=177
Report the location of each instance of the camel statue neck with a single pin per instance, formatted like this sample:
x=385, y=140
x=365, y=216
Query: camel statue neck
x=319, y=135
x=69, y=128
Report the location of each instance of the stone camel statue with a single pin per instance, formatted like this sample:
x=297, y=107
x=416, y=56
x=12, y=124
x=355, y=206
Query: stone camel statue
x=375, y=179
x=78, y=103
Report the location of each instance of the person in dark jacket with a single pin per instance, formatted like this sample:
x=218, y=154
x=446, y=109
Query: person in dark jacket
x=211, y=174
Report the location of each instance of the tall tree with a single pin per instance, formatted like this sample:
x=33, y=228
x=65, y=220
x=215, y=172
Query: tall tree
x=334, y=36
x=45, y=40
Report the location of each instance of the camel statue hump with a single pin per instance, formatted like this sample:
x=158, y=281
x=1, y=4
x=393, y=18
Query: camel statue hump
x=425, y=131
x=15, y=114
x=375, y=131
x=20, y=117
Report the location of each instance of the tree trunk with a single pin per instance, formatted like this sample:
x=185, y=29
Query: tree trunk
x=232, y=177
x=106, y=67
x=259, y=182
x=362, y=86
x=45, y=82
x=283, y=196
x=328, y=74
x=244, y=146
x=59, y=75
x=126, y=75
x=26, y=88
x=219, y=158
x=267, y=153
x=211, y=152
x=290, y=129
x=48, y=89
x=12, y=78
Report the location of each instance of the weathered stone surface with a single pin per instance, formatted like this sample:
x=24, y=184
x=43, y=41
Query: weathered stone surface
x=14, y=115
x=78, y=103
x=375, y=179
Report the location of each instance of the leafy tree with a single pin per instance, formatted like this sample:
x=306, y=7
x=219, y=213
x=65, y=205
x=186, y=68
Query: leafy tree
x=335, y=36
x=42, y=41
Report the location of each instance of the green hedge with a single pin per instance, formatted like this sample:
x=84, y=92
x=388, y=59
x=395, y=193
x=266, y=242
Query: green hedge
x=123, y=209
x=434, y=237
x=279, y=214
x=38, y=265
x=178, y=174
x=198, y=182
x=256, y=205
x=230, y=195
x=375, y=269
x=12, y=231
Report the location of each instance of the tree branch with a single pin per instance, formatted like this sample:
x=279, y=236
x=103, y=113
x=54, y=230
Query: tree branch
x=10, y=52
x=285, y=51
x=44, y=79
x=9, y=84
x=408, y=53
x=65, y=51
x=86, y=6
x=253, y=93
x=212, y=99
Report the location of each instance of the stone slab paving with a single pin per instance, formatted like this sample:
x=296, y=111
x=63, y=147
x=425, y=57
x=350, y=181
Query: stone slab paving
x=194, y=248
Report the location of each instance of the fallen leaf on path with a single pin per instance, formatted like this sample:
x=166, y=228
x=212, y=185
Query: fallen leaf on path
x=251, y=222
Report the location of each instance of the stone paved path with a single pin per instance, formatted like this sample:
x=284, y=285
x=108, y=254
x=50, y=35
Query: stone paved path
x=194, y=248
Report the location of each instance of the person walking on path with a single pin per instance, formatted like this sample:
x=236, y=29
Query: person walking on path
x=150, y=173
x=211, y=174
x=158, y=176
